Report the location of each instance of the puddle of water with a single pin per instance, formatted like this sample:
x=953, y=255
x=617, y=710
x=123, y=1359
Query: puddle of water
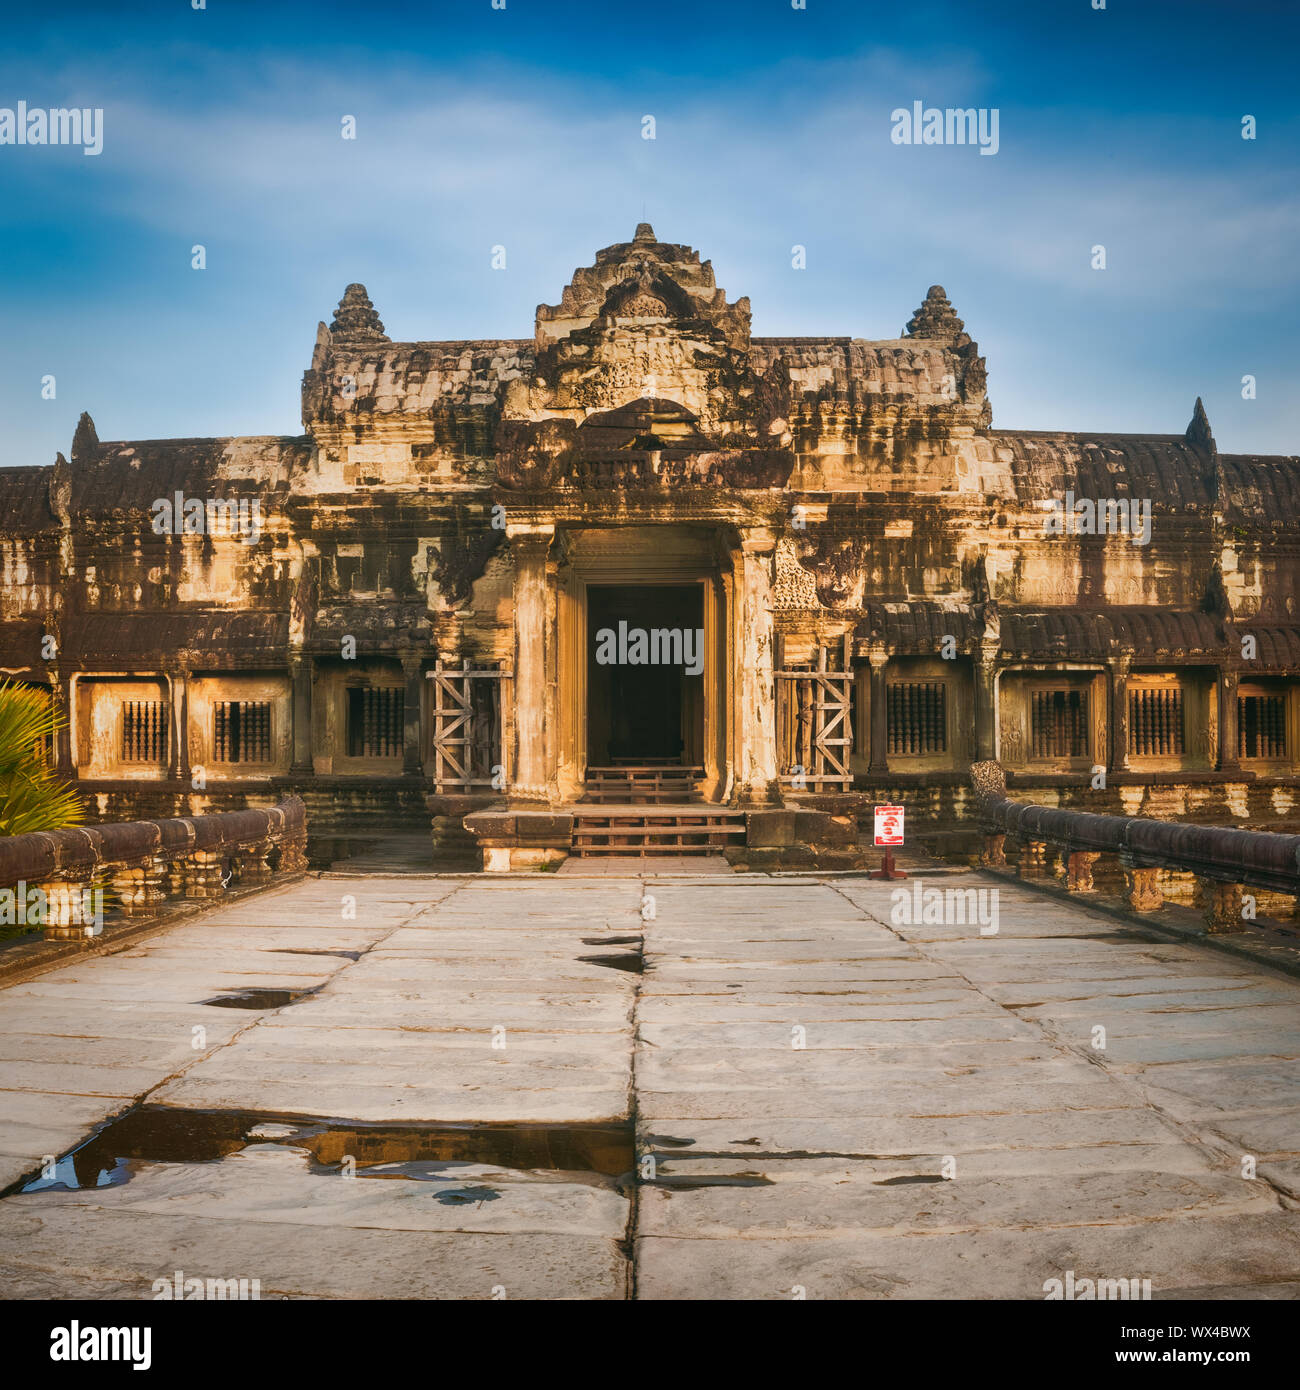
x=1125, y=936
x=151, y=1132
x=603, y=1149
x=324, y=850
x=257, y=998
x=463, y=1197
x=692, y=1184
x=306, y=951
x=630, y=961
x=163, y=1134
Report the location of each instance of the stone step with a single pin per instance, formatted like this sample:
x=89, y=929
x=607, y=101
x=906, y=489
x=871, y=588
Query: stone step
x=648, y=783
x=646, y=830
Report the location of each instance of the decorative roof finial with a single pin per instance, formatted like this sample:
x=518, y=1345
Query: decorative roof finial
x=356, y=317
x=85, y=443
x=644, y=232
x=1198, y=432
x=936, y=318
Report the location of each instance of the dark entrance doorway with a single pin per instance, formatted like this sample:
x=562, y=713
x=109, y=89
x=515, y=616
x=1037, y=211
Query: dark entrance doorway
x=645, y=687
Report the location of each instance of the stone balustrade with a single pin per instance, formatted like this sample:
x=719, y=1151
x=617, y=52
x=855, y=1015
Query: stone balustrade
x=63, y=879
x=1048, y=842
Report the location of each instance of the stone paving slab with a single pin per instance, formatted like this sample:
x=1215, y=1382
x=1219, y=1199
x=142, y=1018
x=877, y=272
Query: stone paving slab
x=828, y=1208
x=128, y=1250
x=834, y=1102
x=1043, y=1173
x=1192, y=1256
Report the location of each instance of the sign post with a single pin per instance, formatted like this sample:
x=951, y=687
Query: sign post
x=889, y=832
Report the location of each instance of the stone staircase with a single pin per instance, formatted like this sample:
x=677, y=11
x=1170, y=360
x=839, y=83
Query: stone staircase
x=642, y=784
x=644, y=831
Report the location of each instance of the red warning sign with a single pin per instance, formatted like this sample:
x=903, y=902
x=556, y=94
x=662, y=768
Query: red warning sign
x=889, y=825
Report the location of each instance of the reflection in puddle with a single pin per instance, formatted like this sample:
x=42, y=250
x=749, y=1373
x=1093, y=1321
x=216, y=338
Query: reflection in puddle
x=257, y=998
x=623, y=960
x=464, y=1197
x=308, y=951
x=678, y=1183
x=163, y=1134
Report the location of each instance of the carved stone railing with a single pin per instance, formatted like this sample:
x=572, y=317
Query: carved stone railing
x=1226, y=862
x=65, y=877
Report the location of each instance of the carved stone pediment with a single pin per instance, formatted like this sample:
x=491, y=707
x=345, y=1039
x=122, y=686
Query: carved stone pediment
x=649, y=444
x=643, y=306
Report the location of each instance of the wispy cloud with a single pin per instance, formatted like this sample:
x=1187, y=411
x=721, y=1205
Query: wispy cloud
x=248, y=160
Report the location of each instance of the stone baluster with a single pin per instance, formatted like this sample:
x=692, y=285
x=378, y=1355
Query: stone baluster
x=1142, y=888
x=994, y=853
x=1079, y=870
x=1032, y=862
x=1222, y=905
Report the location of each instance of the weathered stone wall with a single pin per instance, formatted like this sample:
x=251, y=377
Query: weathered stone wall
x=854, y=490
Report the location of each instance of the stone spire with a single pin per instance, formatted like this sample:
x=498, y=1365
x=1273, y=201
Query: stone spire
x=85, y=443
x=644, y=233
x=356, y=317
x=1198, y=432
x=936, y=318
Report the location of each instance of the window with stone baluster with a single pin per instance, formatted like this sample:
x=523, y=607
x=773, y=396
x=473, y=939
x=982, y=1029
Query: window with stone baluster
x=1263, y=717
x=917, y=718
x=144, y=731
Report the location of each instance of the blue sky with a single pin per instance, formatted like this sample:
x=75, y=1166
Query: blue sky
x=522, y=127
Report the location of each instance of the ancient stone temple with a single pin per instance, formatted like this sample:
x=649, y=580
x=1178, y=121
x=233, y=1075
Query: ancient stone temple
x=644, y=559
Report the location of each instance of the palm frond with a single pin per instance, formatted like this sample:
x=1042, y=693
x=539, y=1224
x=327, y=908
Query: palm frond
x=31, y=795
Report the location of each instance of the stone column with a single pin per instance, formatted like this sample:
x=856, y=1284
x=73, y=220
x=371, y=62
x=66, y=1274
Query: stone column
x=533, y=766
x=757, y=778
x=412, y=758
x=986, y=735
x=300, y=670
x=63, y=689
x=1226, y=689
x=178, y=753
x=879, y=761
x=1119, y=716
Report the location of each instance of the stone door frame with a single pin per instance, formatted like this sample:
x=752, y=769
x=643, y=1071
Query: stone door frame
x=667, y=554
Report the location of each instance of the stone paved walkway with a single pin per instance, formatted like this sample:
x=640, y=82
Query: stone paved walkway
x=827, y=1104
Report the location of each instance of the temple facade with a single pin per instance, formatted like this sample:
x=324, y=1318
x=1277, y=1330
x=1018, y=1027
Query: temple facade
x=644, y=556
